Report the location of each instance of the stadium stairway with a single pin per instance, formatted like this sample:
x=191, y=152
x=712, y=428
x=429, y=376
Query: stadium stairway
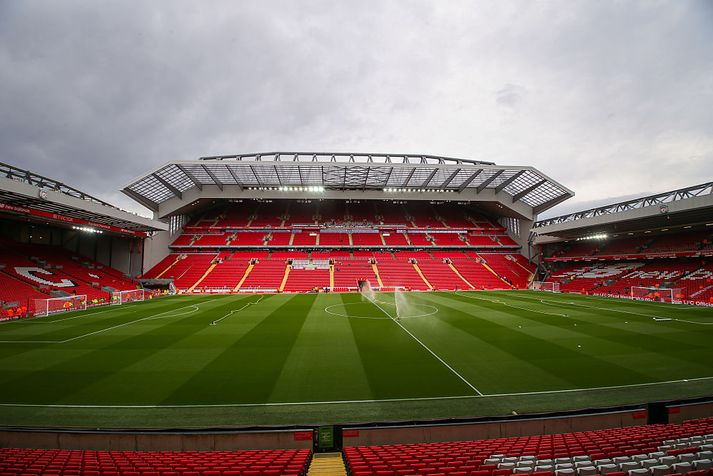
x=205, y=275
x=245, y=276
x=450, y=265
x=285, y=277
x=327, y=464
x=420, y=273
x=376, y=273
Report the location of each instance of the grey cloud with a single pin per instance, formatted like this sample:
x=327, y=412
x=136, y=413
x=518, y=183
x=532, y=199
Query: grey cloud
x=607, y=97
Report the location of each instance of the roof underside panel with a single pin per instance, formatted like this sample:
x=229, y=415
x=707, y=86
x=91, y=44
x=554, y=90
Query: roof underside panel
x=340, y=171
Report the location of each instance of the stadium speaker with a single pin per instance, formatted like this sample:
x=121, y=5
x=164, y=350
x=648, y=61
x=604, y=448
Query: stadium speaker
x=657, y=412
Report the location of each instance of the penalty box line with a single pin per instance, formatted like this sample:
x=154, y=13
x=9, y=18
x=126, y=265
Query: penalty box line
x=100, y=331
x=478, y=392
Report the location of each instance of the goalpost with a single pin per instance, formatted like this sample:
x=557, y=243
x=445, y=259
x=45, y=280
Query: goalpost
x=122, y=297
x=547, y=286
x=45, y=307
x=652, y=293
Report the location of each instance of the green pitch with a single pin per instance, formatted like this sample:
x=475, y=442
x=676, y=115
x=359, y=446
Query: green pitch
x=298, y=359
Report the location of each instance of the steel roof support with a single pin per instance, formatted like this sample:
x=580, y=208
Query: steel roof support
x=551, y=203
x=529, y=189
x=257, y=179
x=151, y=205
x=449, y=179
x=489, y=180
x=279, y=180
x=467, y=181
x=507, y=182
x=190, y=176
x=213, y=177
x=408, y=177
x=430, y=177
x=235, y=176
x=170, y=187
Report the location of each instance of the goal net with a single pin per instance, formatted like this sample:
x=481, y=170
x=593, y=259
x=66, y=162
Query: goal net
x=45, y=307
x=652, y=293
x=548, y=286
x=122, y=297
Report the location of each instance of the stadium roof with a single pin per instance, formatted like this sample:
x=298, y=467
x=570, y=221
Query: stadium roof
x=26, y=193
x=682, y=207
x=382, y=175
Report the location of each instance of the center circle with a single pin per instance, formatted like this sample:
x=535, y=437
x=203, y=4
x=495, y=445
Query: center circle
x=423, y=310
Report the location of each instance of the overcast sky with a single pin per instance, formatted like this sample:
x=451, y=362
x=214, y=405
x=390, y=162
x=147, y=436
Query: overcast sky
x=612, y=99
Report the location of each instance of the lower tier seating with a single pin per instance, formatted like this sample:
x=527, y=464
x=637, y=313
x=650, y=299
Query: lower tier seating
x=415, y=270
x=691, y=278
x=34, y=462
x=651, y=450
x=30, y=271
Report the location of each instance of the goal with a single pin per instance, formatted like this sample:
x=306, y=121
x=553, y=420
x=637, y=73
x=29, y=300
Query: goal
x=652, y=293
x=548, y=286
x=122, y=297
x=45, y=307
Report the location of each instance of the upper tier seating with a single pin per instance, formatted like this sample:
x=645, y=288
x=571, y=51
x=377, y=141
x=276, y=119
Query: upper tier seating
x=419, y=239
x=34, y=462
x=653, y=450
x=248, y=238
x=681, y=242
x=366, y=239
x=211, y=240
x=333, y=239
x=448, y=239
x=395, y=239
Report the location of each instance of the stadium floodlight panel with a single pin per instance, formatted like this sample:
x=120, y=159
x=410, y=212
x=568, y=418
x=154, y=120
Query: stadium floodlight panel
x=596, y=236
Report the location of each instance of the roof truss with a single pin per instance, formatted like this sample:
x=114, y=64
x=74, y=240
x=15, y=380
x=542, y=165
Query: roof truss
x=341, y=171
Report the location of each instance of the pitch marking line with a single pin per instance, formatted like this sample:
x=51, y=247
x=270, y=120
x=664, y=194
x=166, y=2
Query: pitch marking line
x=427, y=348
x=236, y=310
x=654, y=317
x=338, y=402
x=155, y=316
x=46, y=320
x=457, y=293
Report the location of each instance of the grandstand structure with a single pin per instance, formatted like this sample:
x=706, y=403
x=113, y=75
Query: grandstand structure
x=289, y=223
x=57, y=241
x=298, y=222
x=661, y=242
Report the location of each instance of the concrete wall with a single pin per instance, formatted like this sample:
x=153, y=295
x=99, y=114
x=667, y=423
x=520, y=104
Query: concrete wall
x=490, y=430
x=157, y=441
x=156, y=249
x=681, y=413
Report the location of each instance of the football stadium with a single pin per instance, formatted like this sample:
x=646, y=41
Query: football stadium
x=342, y=299
x=314, y=238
